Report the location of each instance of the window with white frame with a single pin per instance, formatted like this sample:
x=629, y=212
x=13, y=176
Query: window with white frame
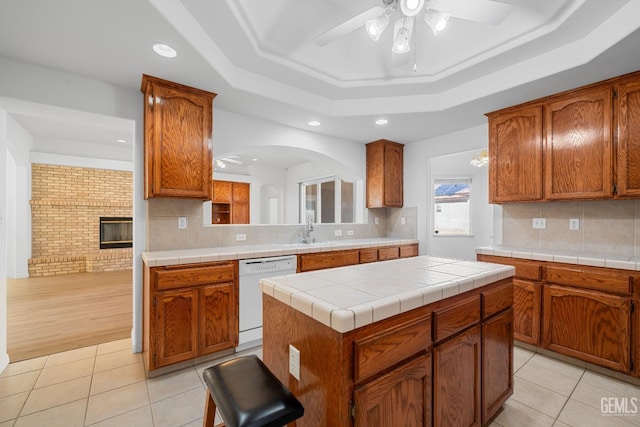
x=327, y=200
x=452, y=206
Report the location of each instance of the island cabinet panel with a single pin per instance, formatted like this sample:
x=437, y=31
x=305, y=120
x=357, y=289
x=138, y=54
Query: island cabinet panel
x=628, y=119
x=456, y=380
x=497, y=352
x=515, y=155
x=189, y=311
x=385, y=349
x=177, y=139
x=385, y=174
x=579, y=145
x=589, y=325
x=392, y=372
x=405, y=390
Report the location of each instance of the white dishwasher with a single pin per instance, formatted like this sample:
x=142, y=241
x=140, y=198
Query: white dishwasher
x=250, y=272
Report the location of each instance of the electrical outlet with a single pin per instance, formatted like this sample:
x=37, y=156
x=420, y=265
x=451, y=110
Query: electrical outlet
x=241, y=237
x=337, y=233
x=377, y=221
x=540, y=223
x=574, y=224
x=349, y=232
x=182, y=222
x=294, y=362
x=402, y=221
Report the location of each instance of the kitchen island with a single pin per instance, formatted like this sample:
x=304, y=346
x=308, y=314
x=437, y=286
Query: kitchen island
x=417, y=341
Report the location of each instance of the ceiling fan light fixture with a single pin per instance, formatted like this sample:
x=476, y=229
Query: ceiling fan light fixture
x=411, y=7
x=436, y=20
x=402, y=36
x=376, y=26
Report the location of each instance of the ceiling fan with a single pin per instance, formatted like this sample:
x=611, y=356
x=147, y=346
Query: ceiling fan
x=222, y=161
x=435, y=14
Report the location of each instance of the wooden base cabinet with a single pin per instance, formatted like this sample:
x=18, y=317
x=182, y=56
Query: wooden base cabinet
x=419, y=368
x=497, y=352
x=527, y=299
x=456, y=376
x=589, y=325
x=342, y=258
x=405, y=390
x=189, y=311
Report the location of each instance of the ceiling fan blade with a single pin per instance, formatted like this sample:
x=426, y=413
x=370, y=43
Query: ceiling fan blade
x=485, y=11
x=231, y=159
x=347, y=26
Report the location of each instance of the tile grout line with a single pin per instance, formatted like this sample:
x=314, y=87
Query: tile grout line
x=569, y=398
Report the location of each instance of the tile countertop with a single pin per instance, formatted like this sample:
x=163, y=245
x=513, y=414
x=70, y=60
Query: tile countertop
x=225, y=253
x=347, y=298
x=609, y=260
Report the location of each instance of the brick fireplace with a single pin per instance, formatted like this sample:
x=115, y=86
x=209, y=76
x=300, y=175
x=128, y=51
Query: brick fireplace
x=66, y=206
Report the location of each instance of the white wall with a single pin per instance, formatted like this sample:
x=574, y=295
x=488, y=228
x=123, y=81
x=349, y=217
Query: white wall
x=4, y=356
x=417, y=176
x=50, y=87
x=457, y=166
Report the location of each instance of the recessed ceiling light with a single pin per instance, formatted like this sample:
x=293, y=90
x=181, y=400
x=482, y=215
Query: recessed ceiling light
x=121, y=141
x=254, y=160
x=164, y=50
x=314, y=123
x=382, y=121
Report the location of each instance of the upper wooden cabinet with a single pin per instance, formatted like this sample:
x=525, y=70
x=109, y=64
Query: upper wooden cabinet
x=231, y=202
x=628, y=113
x=384, y=174
x=515, y=150
x=177, y=139
x=579, y=144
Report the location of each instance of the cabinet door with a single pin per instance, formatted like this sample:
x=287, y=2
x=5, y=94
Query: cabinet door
x=402, y=394
x=222, y=191
x=527, y=298
x=240, y=192
x=578, y=151
x=178, y=153
x=177, y=326
x=497, y=363
x=628, y=111
x=385, y=174
x=456, y=376
x=515, y=156
x=218, y=314
x=588, y=325
x=240, y=207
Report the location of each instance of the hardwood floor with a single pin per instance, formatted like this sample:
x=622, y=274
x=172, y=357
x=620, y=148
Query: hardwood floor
x=51, y=314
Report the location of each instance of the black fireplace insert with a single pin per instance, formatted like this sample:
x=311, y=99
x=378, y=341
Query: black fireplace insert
x=116, y=232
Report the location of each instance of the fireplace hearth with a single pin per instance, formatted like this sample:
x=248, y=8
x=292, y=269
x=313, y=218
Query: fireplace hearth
x=116, y=232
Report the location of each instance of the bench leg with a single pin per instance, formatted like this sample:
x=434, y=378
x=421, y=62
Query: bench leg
x=209, y=411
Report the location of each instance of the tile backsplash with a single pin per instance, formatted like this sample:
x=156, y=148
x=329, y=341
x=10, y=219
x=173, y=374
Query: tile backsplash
x=163, y=232
x=605, y=226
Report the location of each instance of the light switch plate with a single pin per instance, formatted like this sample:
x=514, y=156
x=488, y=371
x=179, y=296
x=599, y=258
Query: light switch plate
x=182, y=222
x=337, y=233
x=540, y=223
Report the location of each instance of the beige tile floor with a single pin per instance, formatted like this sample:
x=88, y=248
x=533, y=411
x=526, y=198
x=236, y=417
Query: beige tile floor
x=105, y=385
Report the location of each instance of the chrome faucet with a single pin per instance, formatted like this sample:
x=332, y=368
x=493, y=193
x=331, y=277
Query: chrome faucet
x=307, y=235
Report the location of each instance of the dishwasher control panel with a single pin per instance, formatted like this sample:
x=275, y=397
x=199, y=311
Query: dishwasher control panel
x=267, y=265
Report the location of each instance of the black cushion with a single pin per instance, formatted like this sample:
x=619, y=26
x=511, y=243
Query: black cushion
x=247, y=394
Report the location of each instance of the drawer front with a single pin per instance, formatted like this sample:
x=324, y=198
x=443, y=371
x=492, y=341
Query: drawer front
x=368, y=255
x=524, y=269
x=455, y=318
x=178, y=277
x=590, y=279
x=381, y=351
x=388, y=253
x=496, y=300
x=408, y=251
x=318, y=261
